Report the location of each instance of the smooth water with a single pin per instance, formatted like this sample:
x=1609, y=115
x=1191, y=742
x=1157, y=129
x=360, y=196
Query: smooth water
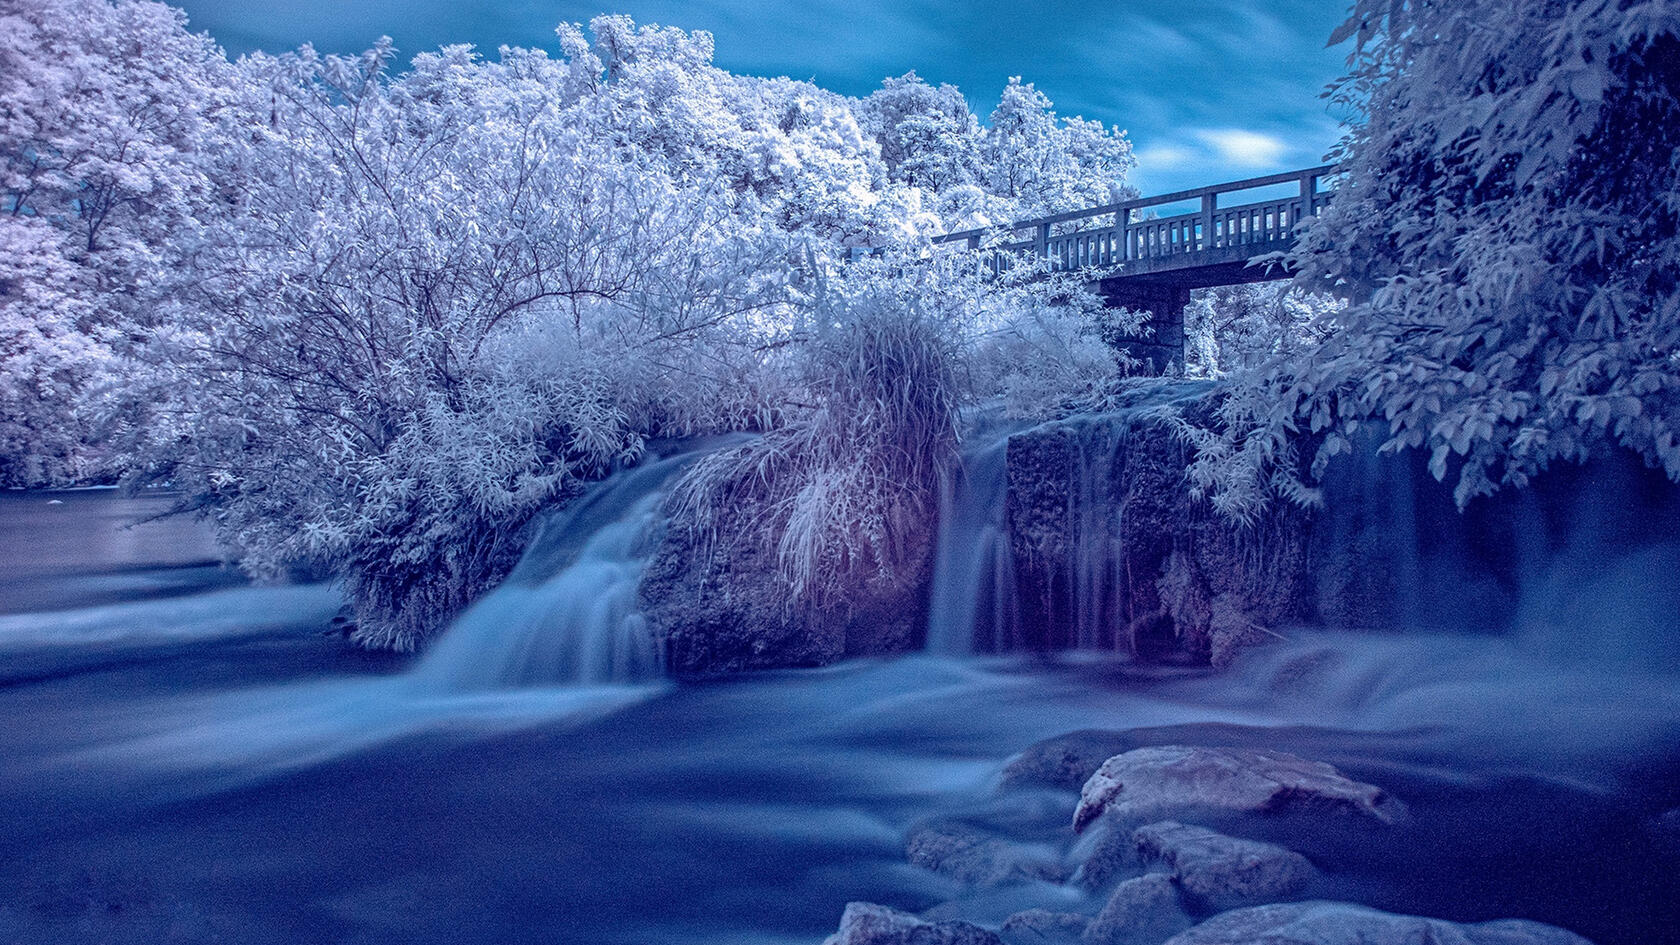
x=972, y=606
x=217, y=767
x=568, y=614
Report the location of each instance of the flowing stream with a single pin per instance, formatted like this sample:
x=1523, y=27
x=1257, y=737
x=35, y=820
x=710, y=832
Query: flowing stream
x=973, y=596
x=199, y=761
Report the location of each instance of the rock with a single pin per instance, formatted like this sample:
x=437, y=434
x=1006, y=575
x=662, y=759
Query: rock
x=1217, y=872
x=978, y=859
x=1066, y=761
x=1112, y=551
x=1341, y=923
x=1105, y=854
x=1141, y=911
x=722, y=606
x=1043, y=927
x=1153, y=783
x=865, y=923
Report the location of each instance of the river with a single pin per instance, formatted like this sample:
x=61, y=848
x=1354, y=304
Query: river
x=187, y=758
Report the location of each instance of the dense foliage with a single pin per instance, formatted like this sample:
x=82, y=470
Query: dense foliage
x=1235, y=329
x=1508, y=225
x=372, y=318
x=109, y=168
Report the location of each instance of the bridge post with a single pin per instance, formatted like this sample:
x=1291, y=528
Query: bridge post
x=1210, y=203
x=1041, y=241
x=1164, y=302
x=1309, y=190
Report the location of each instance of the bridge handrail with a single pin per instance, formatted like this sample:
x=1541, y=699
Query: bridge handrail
x=1309, y=174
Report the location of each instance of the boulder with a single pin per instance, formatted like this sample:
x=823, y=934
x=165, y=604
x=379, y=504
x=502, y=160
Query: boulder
x=1043, y=927
x=1141, y=911
x=971, y=856
x=1112, y=551
x=865, y=923
x=1066, y=761
x=719, y=604
x=1106, y=854
x=1341, y=923
x=1217, y=872
x=1154, y=783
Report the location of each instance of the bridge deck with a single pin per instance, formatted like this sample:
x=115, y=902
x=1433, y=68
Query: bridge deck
x=1218, y=240
x=1150, y=263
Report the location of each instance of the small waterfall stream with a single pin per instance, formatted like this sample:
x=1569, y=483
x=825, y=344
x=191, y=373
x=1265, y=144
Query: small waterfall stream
x=972, y=605
x=568, y=613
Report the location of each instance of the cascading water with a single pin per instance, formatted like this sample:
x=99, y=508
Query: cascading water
x=972, y=605
x=1076, y=526
x=560, y=640
x=568, y=612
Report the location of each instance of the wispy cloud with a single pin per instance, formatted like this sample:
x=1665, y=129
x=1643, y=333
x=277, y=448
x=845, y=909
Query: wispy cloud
x=1242, y=148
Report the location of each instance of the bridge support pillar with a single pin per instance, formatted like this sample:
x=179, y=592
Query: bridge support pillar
x=1165, y=302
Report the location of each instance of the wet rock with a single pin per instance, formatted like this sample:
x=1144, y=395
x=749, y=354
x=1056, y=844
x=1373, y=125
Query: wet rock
x=1066, y=761
x=865, y=923
x=1152, y=783
x=1105, y=854
x=978, y=859
x=721, y=605
x=1111, y=550
x=1217, y=872
x=1341, y=923
x=1043, y=927
x=1141, y=911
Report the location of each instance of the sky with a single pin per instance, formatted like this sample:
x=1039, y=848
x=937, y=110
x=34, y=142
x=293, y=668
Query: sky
x=1209, y=90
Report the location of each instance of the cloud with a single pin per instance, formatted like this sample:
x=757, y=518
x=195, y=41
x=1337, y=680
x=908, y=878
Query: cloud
x=1164, y=156
x=1239, y=147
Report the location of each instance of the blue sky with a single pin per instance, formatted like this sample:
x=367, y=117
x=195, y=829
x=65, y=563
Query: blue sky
x=1210, y=90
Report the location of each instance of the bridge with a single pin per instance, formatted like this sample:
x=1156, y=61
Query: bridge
x=1150, y=262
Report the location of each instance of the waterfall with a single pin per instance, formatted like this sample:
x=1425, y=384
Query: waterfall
x=568, y=613
x=1577, y=566
x=1106, y=550
x=973, y=602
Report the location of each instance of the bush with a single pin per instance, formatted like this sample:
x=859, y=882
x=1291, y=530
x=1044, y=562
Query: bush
x=845, y=487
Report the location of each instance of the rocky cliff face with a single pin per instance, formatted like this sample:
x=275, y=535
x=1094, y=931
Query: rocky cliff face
x=1112, y=553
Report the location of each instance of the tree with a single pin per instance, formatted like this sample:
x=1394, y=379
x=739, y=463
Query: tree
x=928, y=136
x=1507, y=224
x=441, y=303
x=1049, y=165
x=1233, y=329
x=111, y=117
x=372, y=320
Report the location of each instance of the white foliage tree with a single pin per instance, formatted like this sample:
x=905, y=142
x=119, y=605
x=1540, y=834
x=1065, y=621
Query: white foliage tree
x=1235, y=329
x=1046, y=164
x=110, y=123
x=370, y=320
x=1025, y=162
x=362, y=392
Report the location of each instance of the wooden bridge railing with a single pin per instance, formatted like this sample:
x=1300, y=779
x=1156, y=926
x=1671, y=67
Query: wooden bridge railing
x=1121, y=232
